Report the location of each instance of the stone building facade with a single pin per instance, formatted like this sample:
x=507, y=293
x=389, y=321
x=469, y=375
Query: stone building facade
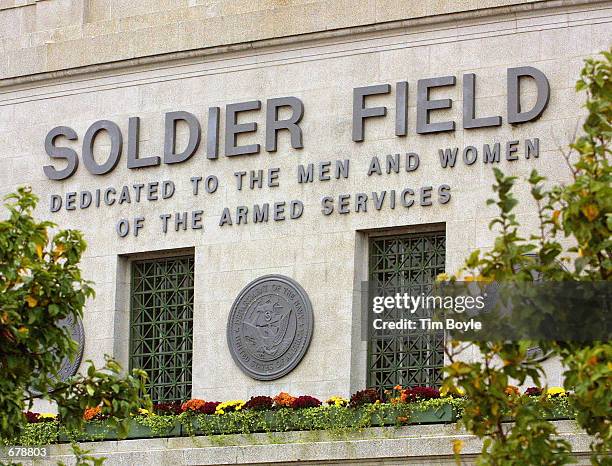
x=122, y=117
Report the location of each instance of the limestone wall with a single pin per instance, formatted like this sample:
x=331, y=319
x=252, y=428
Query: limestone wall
x=46, y=35
x=325, y=254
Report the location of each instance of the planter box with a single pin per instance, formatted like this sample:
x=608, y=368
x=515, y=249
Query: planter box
x=137, y=430
x=442, y=414
x=264, y=421
x=92, y=431
x=551, y=412
x=278, y=421
x=445, y=413
x=269, y=421
x=101, y=430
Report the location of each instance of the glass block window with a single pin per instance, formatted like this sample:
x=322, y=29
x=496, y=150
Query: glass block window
x=406, y=263
x=161, y=325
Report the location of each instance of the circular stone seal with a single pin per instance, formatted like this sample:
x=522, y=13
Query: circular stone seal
x=69, y=368
x=269, y=327
x=75, y=327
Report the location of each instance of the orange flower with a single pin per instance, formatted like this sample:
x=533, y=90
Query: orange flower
x=284, y=399
x=192, y=405
x=90, y=413
x=511, y=390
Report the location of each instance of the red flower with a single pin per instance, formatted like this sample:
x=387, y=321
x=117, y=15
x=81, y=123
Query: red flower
x=259, y=403
x=411, y=395
x=363, y=397
x=305, y=402
x=31, y=417
x=533, y=391
x=209, y=407
x=167, y=408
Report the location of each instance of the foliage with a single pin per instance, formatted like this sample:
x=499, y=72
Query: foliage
x=41, y=285
x=159, y=425
x=581, y=211
x=586, y=204
x=117, y=396
x=336, y=419
x=36, y=434
x=589, y=374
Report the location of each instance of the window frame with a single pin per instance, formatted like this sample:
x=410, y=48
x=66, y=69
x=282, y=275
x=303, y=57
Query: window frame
x=178, y=394
x=416, y=231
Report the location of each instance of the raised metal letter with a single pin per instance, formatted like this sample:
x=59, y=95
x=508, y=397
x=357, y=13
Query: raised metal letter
x=170, y=138
x=273, y=125
x=115, y=151
x=469, y=106
x=360, y=111
x=233, y=128
x=515, y=115
x=61, y=153
x=132, y=156
x=424, y=105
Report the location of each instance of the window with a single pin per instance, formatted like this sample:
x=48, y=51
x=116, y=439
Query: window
x=407, y=263
x=161, y=325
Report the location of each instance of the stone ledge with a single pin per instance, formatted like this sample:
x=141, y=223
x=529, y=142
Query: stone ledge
x=424, y=444
x=64, y=55
x=11, y=4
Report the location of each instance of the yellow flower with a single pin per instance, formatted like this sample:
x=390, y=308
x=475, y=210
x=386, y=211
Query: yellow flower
x=555, y=391
x=47, y=416
x=229, y=406
x=337, y=401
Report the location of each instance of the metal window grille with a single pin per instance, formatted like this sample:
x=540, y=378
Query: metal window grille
x=406, y=263
x=161, y=326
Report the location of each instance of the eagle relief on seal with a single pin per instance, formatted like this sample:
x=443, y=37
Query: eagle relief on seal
x=270, y=327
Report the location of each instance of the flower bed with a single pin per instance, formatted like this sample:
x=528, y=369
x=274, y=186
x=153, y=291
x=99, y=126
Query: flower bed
x=282, y=413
